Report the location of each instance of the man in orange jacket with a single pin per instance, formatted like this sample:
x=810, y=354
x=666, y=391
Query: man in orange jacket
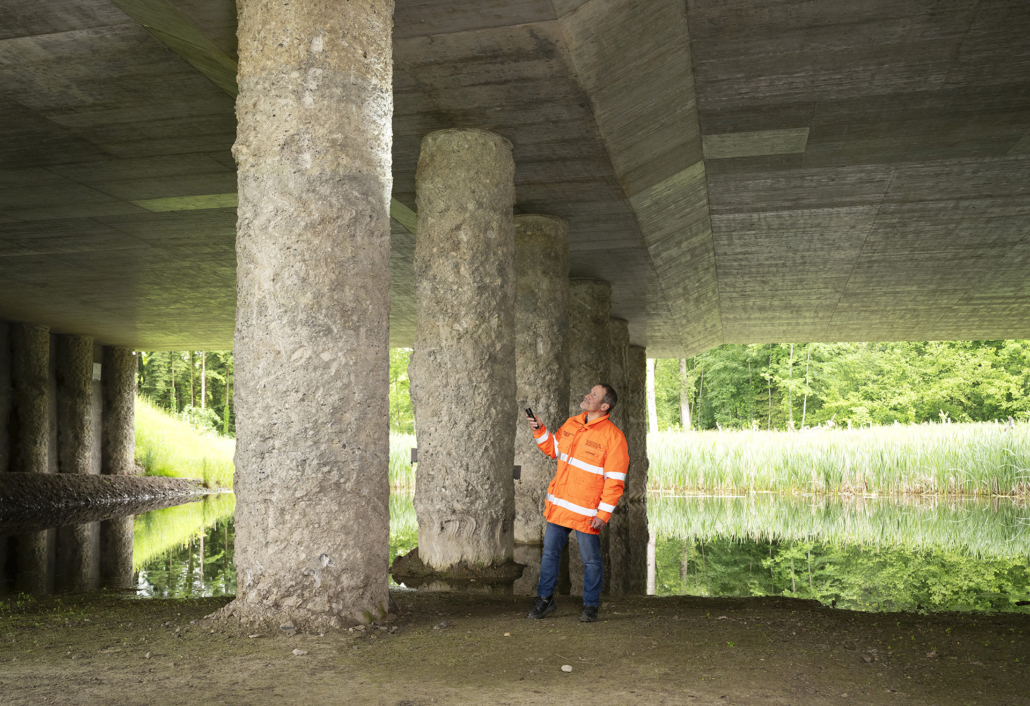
x=592, y=463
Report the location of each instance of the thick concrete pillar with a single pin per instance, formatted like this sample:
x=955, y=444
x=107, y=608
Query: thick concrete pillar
x=30, y=398
x=590, y=302
x=462, y=368
x=626, y=557
x=634, y=417
x=116, y=543
x=78, y=546
x=313, y=150
x=74, y=404
x=5, y=398
x=30, y=443
x=618, y=342
x=118, y=451
x=118, y=448
x=541, y=358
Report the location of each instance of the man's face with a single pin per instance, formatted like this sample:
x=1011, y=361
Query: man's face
x=592, y=400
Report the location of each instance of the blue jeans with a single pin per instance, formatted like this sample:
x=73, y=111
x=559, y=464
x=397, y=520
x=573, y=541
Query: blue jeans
x=555, y=538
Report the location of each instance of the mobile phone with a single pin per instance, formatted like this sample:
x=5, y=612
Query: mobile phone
x=529, y=413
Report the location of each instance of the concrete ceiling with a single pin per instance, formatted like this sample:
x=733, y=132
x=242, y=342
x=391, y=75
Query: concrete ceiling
x=740, y=171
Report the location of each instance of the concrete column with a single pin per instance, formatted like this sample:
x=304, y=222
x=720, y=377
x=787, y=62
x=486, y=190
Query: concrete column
x=78, y=558
x=590, y=302
x=118, y=451
x=30, y=442
x=627, y=535
x=462, y=368
x=634, y=415
x=618, y=341
x=5, y=399
x=116, y=542
x=30, y=398
x=313, y=150
x=74, y=404
x=541, y=358
x=118, y=448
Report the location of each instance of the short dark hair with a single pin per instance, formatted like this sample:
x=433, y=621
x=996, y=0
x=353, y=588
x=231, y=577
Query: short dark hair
x=611, y=398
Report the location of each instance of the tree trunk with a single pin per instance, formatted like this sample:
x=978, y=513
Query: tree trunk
x=804, y=406
x=684, y=396
x=652, y=405
x=203, y=379
x=225, y=410
x=193, y=394
x=171, y=357
x=790, y=389
x=768, y=425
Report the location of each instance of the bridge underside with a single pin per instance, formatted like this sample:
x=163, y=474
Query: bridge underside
x=737, y=172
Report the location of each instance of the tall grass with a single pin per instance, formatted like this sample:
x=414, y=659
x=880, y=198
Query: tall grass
x=169, y=446
x=402, y=472
x=158, y=531
x=979, y=459
x=975, y=527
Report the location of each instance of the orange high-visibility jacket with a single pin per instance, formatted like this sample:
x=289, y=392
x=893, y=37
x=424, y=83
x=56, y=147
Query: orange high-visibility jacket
x=592, y=463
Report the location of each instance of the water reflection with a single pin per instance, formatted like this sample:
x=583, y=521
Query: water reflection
x=857, y=553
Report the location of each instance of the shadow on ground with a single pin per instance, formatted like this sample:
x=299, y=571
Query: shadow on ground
x=450, y=648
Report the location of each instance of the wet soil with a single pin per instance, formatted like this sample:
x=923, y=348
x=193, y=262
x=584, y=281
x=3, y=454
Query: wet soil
x=451, y=648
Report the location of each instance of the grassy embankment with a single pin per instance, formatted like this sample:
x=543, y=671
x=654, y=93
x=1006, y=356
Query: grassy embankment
x=934, y=459
x=169, y=446
x=981, y=459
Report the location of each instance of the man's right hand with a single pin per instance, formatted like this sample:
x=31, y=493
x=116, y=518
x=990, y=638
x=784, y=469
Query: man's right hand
x=534, y=422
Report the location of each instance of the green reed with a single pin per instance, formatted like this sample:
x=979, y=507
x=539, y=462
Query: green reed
x=168, y=446
x=980, y=459
x=159, y=531
x=984, y=528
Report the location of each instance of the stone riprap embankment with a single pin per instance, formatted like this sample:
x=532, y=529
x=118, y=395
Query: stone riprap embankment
x=30, y=502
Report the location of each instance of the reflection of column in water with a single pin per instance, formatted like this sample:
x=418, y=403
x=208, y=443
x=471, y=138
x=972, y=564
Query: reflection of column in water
x=78, y=558
x=34, y=553
x=116, y=538
x=530, y=555
x=626, y=570
x=650, y=565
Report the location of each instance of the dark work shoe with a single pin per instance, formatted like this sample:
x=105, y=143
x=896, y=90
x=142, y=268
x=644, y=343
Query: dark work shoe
x=589, y=614
x=542, y=608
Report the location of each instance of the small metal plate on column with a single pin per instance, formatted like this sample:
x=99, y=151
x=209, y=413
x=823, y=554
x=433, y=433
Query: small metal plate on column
x=414, y=455
x=516, y=473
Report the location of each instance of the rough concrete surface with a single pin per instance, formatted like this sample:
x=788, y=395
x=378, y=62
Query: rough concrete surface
x=625, y=548
x=118, y=447
x=462, y=369
x=634, y=416
x=116, y=541
x=618, y=340
x=311, y=345
x=5, y=398
x=30, y=398
x=590, y=302
x=74, y=404
x=541, y=358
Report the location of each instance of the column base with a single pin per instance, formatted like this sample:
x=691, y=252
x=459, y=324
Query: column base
x=412, y=572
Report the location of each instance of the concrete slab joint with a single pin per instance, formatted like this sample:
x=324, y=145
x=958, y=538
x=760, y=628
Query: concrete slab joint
x=313, y=150
x=541, y=357
x=462, y=368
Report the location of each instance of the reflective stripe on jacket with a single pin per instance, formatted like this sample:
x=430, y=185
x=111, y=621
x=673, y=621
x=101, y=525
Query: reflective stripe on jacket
x=592, y=464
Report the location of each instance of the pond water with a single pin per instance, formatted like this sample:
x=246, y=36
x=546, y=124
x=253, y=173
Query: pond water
x=858, y=553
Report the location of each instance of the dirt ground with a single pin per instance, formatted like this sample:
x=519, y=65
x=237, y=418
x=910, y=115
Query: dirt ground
x=460, y=649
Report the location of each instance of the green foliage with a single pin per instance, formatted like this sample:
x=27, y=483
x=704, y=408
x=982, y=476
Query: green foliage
x=850, y=577
x=158, y=369
x=939, y=459
x=168, y=445
x=161, y=531
x=402, y=418
x=769, y=386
